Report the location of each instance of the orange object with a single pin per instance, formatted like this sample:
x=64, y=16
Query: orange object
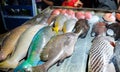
x=118, y=16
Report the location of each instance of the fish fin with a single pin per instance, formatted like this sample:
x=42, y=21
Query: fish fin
x=112, y=59
x=20, y=67
x=64, y=28
x=62, y=59
x=40, y=62
x=55, y=29
x=60, y=62
x=40, y=68
x=112, y=43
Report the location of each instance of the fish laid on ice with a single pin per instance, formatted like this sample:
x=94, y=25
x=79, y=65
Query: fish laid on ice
x=21, y=47
x=58, y=48
x=69, y=25
x=101, y=53
x=35, y=48
x=10, y=42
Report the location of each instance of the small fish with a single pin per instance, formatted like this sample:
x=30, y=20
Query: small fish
x=57, y=49
x=101, y=53
x=35, y=48
x=59, y=22
x=21, y=47
x=69, y=25
x=11, y=41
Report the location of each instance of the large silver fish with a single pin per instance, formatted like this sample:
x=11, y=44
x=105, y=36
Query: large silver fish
x=58, y=48
x=101, y=53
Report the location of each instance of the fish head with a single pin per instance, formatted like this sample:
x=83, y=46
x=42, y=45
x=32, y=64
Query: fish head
x=99, y=29
x=81, y=28
x=116, y=29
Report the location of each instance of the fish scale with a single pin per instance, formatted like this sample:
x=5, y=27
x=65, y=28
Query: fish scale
x=100, y=54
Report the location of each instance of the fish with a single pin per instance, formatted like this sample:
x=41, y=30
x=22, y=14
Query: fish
x=101, y=54
x=116, y=56
x=116, y=29
x=35, y=48
x=69, y=25
x=99, y=29
x=59, y=22
x=57, y=49
x=21, y=47
x=10, y=42
x=81, y=23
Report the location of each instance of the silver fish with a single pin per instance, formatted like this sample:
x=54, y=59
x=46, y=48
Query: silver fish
x=101, y=53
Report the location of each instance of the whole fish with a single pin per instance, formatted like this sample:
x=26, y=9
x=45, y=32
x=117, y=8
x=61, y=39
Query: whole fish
x=117, y=56
x=10, y=42
x=101, y=54
x=35, y=48
x=57, y=49
x=21, y=47
x=69, y=25
x=59, y=22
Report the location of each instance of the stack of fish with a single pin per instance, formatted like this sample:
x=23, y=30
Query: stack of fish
x=53, y=37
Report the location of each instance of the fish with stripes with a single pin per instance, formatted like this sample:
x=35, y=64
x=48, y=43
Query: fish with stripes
x=101, y=54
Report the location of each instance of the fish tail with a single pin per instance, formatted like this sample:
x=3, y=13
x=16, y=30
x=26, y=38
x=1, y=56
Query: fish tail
x=21, y=66
x=40, y=68
x=8, y=64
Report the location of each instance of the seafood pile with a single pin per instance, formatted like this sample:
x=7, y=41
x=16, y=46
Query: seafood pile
x=63, y=40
